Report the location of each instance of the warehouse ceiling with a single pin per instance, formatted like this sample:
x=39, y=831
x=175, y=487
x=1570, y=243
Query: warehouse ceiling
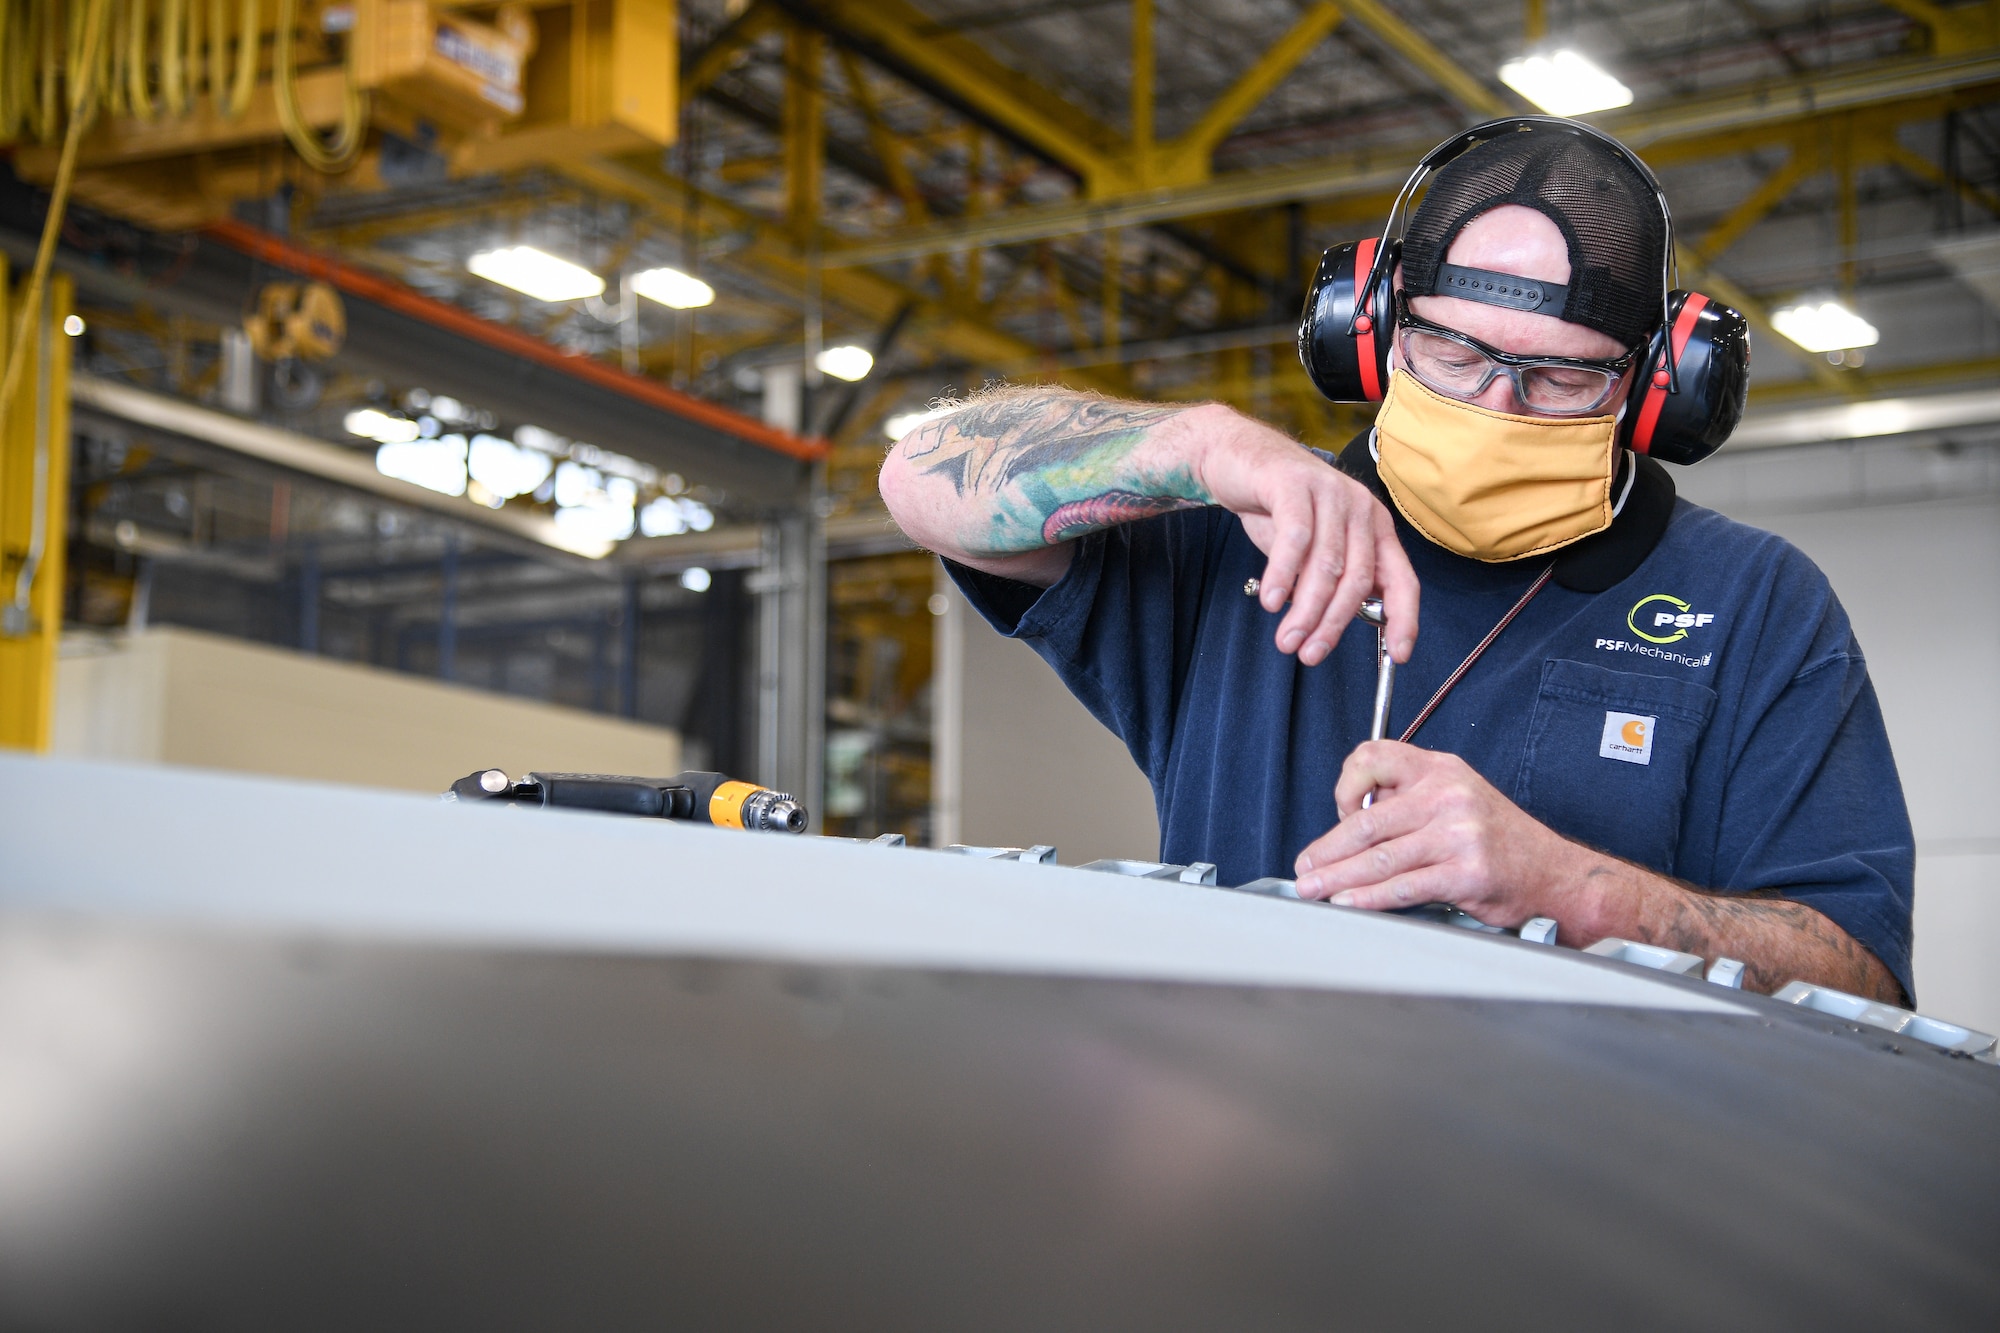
x=974, y=189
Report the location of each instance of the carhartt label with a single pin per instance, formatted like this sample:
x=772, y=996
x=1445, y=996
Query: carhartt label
x=1627, y=736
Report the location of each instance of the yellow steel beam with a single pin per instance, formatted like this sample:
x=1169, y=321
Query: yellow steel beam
x=34, y=507
x=1690, y=130
x=1696, y=274
x=1965, y=28
x=1144, y=76
x=1926, y=170
x=729, y=46
x=121, y=139
x=1191, y=152
x=804, y=128
x=1767, y=196
x=773, y=256
x=1005, y=96
x=1462, y=87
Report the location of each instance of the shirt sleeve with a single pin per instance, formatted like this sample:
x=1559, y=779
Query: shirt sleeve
x=1815, y=809
x=1119, y=627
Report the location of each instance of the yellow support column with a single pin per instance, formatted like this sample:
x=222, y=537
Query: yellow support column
x=34, y=507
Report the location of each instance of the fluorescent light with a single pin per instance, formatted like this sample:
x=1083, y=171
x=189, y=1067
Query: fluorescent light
x=437, y=465
x=670, y=286
x=695, y=580
x=846, y=363
x=536, y=273
x=670, y=517
x=1826, y=327
x=505, y=468
x=1564, y=83
x=371, y=424
x=896, y=427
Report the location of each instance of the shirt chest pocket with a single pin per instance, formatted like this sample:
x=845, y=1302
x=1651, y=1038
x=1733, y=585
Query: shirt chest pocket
x=1608, y=758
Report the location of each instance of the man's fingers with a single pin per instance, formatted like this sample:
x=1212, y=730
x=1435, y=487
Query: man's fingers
x=1426, y=884
x=1398, y=582
x=1291, y=537
x=1357, y=580
x=1379, y=864
x=1374, y=766
x=1358, y=832
x=1318, y=577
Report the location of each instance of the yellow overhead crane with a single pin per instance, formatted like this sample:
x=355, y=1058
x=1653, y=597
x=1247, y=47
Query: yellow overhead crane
x=194, y=102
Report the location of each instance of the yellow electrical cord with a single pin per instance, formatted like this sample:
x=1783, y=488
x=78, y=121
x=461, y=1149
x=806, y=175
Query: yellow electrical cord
x=345, y=147
x=80, y=105
x=248, y=40
x=137, y=91
x=173, y=77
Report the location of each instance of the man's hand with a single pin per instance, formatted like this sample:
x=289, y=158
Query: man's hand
x=1437, y=832
x=1008, y=481
x=1330, y=542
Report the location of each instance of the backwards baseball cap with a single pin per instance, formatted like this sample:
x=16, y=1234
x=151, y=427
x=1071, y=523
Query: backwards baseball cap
x=1606, y=209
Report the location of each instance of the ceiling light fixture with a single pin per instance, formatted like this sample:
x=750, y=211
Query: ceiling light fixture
x=1825, y=326
x=671, y=287
x=536, y=273
x=1564, y=83
x=848, y=362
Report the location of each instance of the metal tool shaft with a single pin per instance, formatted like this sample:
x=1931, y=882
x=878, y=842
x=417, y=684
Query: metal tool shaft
x=1385, y=679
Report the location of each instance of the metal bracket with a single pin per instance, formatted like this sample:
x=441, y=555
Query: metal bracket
x=1902, y=1022
x=1647, y=955
x=1538, y=930
x=1039, y=854
x=1201, y=872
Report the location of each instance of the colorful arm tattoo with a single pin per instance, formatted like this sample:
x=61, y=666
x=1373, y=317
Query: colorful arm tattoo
x=1049, y=465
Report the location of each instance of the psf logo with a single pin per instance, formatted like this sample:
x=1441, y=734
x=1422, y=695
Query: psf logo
x=1664, y=619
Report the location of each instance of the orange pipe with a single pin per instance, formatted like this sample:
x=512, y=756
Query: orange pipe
x=395, y=296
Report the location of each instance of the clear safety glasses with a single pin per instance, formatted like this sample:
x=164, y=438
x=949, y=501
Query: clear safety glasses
x=1460, y=366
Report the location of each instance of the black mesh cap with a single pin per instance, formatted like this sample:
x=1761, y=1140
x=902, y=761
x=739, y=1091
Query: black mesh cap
x=1606, y=209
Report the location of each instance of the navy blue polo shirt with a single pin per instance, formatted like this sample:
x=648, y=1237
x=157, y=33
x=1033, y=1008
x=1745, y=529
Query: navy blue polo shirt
x=1758, y=759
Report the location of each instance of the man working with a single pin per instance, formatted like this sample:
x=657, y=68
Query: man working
x=1672, y=739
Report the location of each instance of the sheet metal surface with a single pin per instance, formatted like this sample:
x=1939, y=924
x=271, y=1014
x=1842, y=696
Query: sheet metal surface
x=222, y=1131
x=182, y=846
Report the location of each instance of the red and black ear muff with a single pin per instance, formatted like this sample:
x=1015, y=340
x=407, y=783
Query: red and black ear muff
x=1682, y=413
x=1349, y=366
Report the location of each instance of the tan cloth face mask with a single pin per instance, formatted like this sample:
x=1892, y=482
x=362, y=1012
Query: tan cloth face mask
x=1492, y=485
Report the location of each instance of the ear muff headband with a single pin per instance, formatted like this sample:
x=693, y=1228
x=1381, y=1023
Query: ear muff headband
x=1493, y=129
x=1694, y=378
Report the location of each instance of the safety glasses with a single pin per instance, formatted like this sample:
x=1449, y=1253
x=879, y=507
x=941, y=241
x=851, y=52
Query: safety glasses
x=1460, y=366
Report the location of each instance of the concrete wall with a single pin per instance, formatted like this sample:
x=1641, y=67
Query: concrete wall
x=1909, y=535
x=177, y=696
x=1017, y=759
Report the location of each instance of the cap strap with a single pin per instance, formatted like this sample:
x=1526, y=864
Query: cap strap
x=1502, y=289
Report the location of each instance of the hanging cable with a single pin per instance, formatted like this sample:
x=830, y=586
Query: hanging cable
x=328, y=157
x=248, y=42
x=80, y=105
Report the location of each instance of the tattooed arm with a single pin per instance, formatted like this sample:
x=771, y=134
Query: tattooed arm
x=1007, y=481
x=1439, y=832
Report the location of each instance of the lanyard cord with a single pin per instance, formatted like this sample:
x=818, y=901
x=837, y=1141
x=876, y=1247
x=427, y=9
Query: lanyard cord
x=1473, y=656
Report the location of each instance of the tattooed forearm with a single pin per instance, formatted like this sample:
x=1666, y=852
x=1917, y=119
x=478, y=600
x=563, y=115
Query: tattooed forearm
x=1777, y=940
x=1035, y=466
